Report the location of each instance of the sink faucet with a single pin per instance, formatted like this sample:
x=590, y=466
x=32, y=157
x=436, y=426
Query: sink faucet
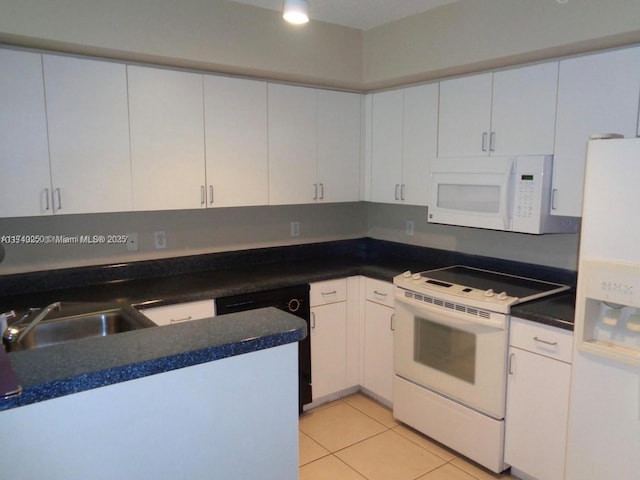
x=15, y=334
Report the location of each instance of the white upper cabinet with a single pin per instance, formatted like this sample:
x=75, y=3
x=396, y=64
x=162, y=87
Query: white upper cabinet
x=386, y=146
x=314, y=145
x=511, y=112
x=24, y=154
x=167, y=139
x=292, y=144
x=404, y=140
x=88, y=135
x=465, y=116
x=236, y=142
x=596, y=94
x=338, y=160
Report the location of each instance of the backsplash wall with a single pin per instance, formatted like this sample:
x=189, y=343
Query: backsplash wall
x=389, y=222
x=188, y=232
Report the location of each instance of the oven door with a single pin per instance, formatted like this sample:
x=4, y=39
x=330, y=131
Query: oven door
x=453, y=353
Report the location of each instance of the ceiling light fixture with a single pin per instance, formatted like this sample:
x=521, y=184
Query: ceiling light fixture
x=296, y=11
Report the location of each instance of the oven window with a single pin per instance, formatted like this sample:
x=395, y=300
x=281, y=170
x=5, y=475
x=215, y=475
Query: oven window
x=446, y=349
x=469, y=198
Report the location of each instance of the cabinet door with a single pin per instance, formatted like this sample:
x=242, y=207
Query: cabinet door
x=292, y=144
x=596, y=94
x=524, y=110
x=181, y=312
x=328, y=349
x=88, y=134
x=386, y=146
x=167, y=139
x=338, y=172
x=236, y=142
x=419, y=141
x=24, y=155
x=378, y=350
x=464, y=122
x=536, y=417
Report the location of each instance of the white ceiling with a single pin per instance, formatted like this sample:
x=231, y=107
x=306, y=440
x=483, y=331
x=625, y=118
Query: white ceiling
x=362, y=14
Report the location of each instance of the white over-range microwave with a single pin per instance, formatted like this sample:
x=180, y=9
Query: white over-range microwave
x=498, y=193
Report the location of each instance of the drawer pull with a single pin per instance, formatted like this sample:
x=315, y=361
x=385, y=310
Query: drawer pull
x=326, y=294
x=539, y=340
x=380, y=294
x=512, y=358
x=178, y=320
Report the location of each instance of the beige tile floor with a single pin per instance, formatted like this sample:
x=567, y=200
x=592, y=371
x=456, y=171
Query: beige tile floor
x=356, y=438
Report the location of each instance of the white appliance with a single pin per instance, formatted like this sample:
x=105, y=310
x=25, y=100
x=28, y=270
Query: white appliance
x=604, y=416
x=450, y=355
x=499, y=193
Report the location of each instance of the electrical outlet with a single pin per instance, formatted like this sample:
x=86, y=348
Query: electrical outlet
x=160, y=240
x=295, y=229
x=411, y=226
x=132, y=242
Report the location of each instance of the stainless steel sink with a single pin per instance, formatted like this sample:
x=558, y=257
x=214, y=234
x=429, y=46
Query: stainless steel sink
x=67, y=328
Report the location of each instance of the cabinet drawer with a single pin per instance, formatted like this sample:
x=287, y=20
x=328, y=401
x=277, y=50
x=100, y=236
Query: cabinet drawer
x=180, y=312
x=541, y=339
x=330, y=291
x=379, y=292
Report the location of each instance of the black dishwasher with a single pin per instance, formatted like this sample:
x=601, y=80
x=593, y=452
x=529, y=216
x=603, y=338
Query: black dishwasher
x=294, y=300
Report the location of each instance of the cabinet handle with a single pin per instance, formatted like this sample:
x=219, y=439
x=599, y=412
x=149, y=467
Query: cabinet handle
x=554, y=199
x=511, y=363
x=46, y=197
x=210, y=194
x=546, y=342
x=380, y=294
x=397, y=197
x=402, y=192
x=492, y=142
x=59, y=197
x=313, y=320
x=326, y=294
x=392, y=322
x=202, y=200
x=484, y=141
x=315, y=191
x=178, y=320
x=322, y=191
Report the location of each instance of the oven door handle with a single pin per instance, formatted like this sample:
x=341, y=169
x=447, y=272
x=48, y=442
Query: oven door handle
x=444, y=316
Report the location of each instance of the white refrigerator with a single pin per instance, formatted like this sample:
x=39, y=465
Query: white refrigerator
x=604, y=418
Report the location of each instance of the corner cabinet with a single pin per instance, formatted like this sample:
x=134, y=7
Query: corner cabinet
x=597, y=94
x=378, y=339
x=509, y=112
x=24, y=154
x=167, y=138
x=314, y=145
x=537, y=399
x=404, y=140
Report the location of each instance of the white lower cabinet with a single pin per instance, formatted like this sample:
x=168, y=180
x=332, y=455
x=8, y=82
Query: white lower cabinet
x=537, y=399
x=378, y=339
x=328, y=337
x=180, y=312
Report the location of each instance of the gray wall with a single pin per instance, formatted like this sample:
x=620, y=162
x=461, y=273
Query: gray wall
x=188, y=232
x=228, y=37
x=388, y=222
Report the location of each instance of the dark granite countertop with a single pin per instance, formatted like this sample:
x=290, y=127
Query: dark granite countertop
x=159, y=282
x=81, y=365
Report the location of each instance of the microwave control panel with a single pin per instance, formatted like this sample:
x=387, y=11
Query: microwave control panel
x=532, y=184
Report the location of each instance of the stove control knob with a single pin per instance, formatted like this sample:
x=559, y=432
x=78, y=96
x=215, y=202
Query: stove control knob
x=489, y=293
x=502, y=296
x=416, y=276
x=407, y=274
